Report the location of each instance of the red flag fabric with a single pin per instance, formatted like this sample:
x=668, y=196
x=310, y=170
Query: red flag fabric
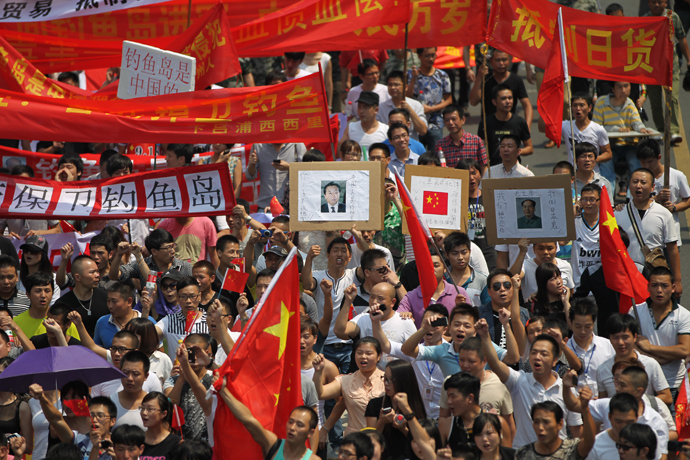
x=66, y=227
x=178, y=418
x=420, y=235
x=683, y=408
x=239, y=262
x=263, y=370
x=550, y=98
x=79, y=406
x=620, y=271
x=235, y=281
x=190, y=319
x=435, y=203
x=276, y=208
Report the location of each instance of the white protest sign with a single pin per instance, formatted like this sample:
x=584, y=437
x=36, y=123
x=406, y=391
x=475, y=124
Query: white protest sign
x=49, y=10
x=148, y=71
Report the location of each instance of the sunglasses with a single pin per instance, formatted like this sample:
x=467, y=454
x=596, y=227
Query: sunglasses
x=497, y=285
x=168, y=286
x=624, y=447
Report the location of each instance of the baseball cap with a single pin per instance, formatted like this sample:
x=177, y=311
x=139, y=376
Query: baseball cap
x=277, y=250
x=368, y=98
x=174, y=275
x=35, y=243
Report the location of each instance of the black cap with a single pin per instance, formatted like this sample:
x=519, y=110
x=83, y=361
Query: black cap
x=174, y=275
x=368, y=98
x=35, y=243
x=277, y=250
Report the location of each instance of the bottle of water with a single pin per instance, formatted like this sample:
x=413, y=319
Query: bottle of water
x=442, y=158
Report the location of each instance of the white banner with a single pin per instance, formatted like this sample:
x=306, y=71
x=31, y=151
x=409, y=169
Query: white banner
x=48, y=10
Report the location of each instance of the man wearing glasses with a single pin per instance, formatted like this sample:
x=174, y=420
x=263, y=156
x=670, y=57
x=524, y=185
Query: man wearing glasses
x=501, y=293
x=188, y=320
x=399, y=137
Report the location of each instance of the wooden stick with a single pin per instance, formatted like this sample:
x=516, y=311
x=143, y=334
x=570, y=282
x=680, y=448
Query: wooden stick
x=483, y=50
x=189, y=14
x=570, y=116
x=405, y=65
x=667, y=134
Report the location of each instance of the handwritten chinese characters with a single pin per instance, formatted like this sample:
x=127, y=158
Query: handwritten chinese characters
x=533, y=213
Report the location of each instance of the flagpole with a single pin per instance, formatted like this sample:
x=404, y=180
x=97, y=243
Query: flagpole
x=484, y=50
x=189, y=14
x=405, y=64
x=566, y=80
x=667, y=134
x=443, y=259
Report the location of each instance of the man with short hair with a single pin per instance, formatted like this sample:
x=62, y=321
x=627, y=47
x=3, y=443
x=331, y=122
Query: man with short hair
x=205, y=274
x=101, y=250
x=664, y=328
x=178, y=155
x=368, y=129
x=463, y=391
x=271, y=162
x=654, y=222
x=86, y=297
x=500, y=288
x=529, y=219
x=57, y=324
x=414, y=109
x=374, y=269
x=459, y=144
x=638, y=442
x=70, y=168
x=227, y=249
x=331, y=193
x=502, y=123
x=135, y=365
x=508, y=152
x=11, y=297
x=591, y=349
x=586, y=160
x=292, y=69
x=399, y=137
x=128, y=442
x=403, y=116
x=119, y=301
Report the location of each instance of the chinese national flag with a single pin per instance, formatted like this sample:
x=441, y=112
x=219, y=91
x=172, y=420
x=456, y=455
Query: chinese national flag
x=683, y=408
x=239, y=261
x=276, y=208
x=66, y=227
x=620, y=271
x=178, y=418
x=235, y=281
x=435, y=203
x=263, y=370
x=79, y=406
x=550, y=98
x=420, y=235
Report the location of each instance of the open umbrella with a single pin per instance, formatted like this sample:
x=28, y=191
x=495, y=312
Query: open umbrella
x=55, y=366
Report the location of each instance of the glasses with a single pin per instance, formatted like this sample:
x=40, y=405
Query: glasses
x=383, y=269
x=188, y=296
x=145, y=410
x=589, y=200
x=624, y=447
x=387, y=381
x=171, y=247
x=352, y=154
x=168, y=287
x=100, y=416
x=121, y=350
x=497, y=285
x=371, y=74
x=400, y=137
x=342, y=453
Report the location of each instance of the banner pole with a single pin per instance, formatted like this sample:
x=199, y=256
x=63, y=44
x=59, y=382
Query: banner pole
x=667, y=134
x=570, y=116
x=404, y=88
x=484, y=50
x=189, y=14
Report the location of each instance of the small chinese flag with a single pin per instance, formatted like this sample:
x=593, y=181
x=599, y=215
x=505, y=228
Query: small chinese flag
x=276, y=208
x=79, y=406
x=683, y=408
x=66, y=227
x=239, y=262
x=190, y=320
x=178, y=418
x=235, y=281
x=435, y=203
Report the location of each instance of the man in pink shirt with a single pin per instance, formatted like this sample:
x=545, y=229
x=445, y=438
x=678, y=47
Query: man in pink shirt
x=195, y=237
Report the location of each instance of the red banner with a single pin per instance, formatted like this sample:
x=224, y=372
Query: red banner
x=603, y=47
x=190, y=191
x=309, y=26
x=281, y=113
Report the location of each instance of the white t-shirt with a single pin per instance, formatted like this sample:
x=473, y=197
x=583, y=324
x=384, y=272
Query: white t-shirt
x=353, y=95
x=357, y=134
x=395, y=328
x=112, y=387
x=513, y=251
x=357, y=256
x=657, y=228
x=325, y=59
x=586, y=253
x=665, y=334
x=529, y=283
x=594, y=133
x=337, y=294
x=657, y=381
x=678, y=186
x=300, y=74
x=221, y=356
x=596, y=354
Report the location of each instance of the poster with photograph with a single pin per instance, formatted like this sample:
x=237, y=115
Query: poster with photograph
x=440, y=195
x=334, y=195
x=538, y=208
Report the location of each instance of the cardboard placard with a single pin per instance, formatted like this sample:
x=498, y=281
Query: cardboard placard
x=538, y=208
x=440, y=195
x=148, y=71
x=335, y=195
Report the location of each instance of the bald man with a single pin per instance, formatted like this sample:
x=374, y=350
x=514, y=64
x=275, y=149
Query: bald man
x=86, y=298
x=382, y=297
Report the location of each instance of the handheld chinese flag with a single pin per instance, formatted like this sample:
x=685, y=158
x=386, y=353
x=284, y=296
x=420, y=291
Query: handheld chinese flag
x=239, y=262
x=79, y=406
x=550, y=98
x=263, y=370
x=178, y=418
x=66, y=227
x=683, y=408
x=190, y=319
x=276, y=208
x=420, y=235
x=620, y=271
x=235, y=281
x=435, y=203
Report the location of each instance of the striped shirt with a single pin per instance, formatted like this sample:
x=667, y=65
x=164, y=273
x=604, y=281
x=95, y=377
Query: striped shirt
x=18, y=303
x=615, y=118
x=173, y=329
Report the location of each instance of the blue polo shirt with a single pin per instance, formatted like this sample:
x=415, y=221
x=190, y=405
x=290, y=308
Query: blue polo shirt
x=447, y=359
x=415, y=146
x=106, y=329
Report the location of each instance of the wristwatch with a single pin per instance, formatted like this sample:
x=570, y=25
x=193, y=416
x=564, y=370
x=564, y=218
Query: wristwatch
x=397, y=286
x=409, y=416
x=248, y=219
x=674, y=209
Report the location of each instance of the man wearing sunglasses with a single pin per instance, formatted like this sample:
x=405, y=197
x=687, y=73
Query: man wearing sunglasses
x=501, y=293
x=375, y=269
x=638, y=442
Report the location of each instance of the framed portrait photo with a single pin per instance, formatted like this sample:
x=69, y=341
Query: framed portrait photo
x=538, y=208
x=335, y=195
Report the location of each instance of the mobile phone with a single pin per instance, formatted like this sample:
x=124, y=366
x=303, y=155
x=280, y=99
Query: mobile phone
x=191, y=357
x=676, y=446
x=105, y=444
x=575, y=380
x=276, y=162
x=442, y=321
x=10, y=437
x=387, y=410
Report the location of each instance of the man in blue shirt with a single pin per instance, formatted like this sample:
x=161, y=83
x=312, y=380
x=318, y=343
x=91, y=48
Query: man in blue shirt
x=119, y=301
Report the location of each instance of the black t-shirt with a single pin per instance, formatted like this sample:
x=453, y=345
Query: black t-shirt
x=497, y=129
x=160, y=451
x=477, y=225
x=396, y=442
x=98, y=306
x=7, y=248
x=41, y=341
x=516, y=85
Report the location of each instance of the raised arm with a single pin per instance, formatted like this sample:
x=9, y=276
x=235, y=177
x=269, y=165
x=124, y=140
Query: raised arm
x=330, y=390
x=84, y=336
x=573, y=361
x=496, y=365
x=308, y=281
x=190, y=376
x=419, y=434
x=516, y=268
x=66, y=253
x=516, y=326
x=51, y=413
x=377, y=330
x=53, y=329
x=261, y=436
x=512, y=356
x=589, y=429
x=325, y=321
x=571, y=402
x=343, y=328
x=411, y=346
x=248, y=255
x=24, y=340
x=220, y=332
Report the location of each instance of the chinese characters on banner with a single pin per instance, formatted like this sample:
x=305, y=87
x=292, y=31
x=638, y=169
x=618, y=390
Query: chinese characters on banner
x=637, y=49
x=202, y=190
x=280, y=113
x=147, y=71
x=47, y=10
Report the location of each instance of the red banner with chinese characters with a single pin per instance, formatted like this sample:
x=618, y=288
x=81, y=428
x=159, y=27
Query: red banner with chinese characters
x=306, y=26
x=190, y=191
x=281, y=113
x=637, y=49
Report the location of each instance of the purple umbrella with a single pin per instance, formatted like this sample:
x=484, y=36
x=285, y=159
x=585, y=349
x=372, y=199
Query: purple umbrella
x=55, y=366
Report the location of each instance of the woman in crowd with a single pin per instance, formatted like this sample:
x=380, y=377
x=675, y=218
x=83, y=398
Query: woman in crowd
x=15, y=414
x=35, y=258
x=487, y=438
x=145, y=330
x=552, y=298
x=350, y=151
x=157, y=416
x=382, y=412
x=357, y=389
